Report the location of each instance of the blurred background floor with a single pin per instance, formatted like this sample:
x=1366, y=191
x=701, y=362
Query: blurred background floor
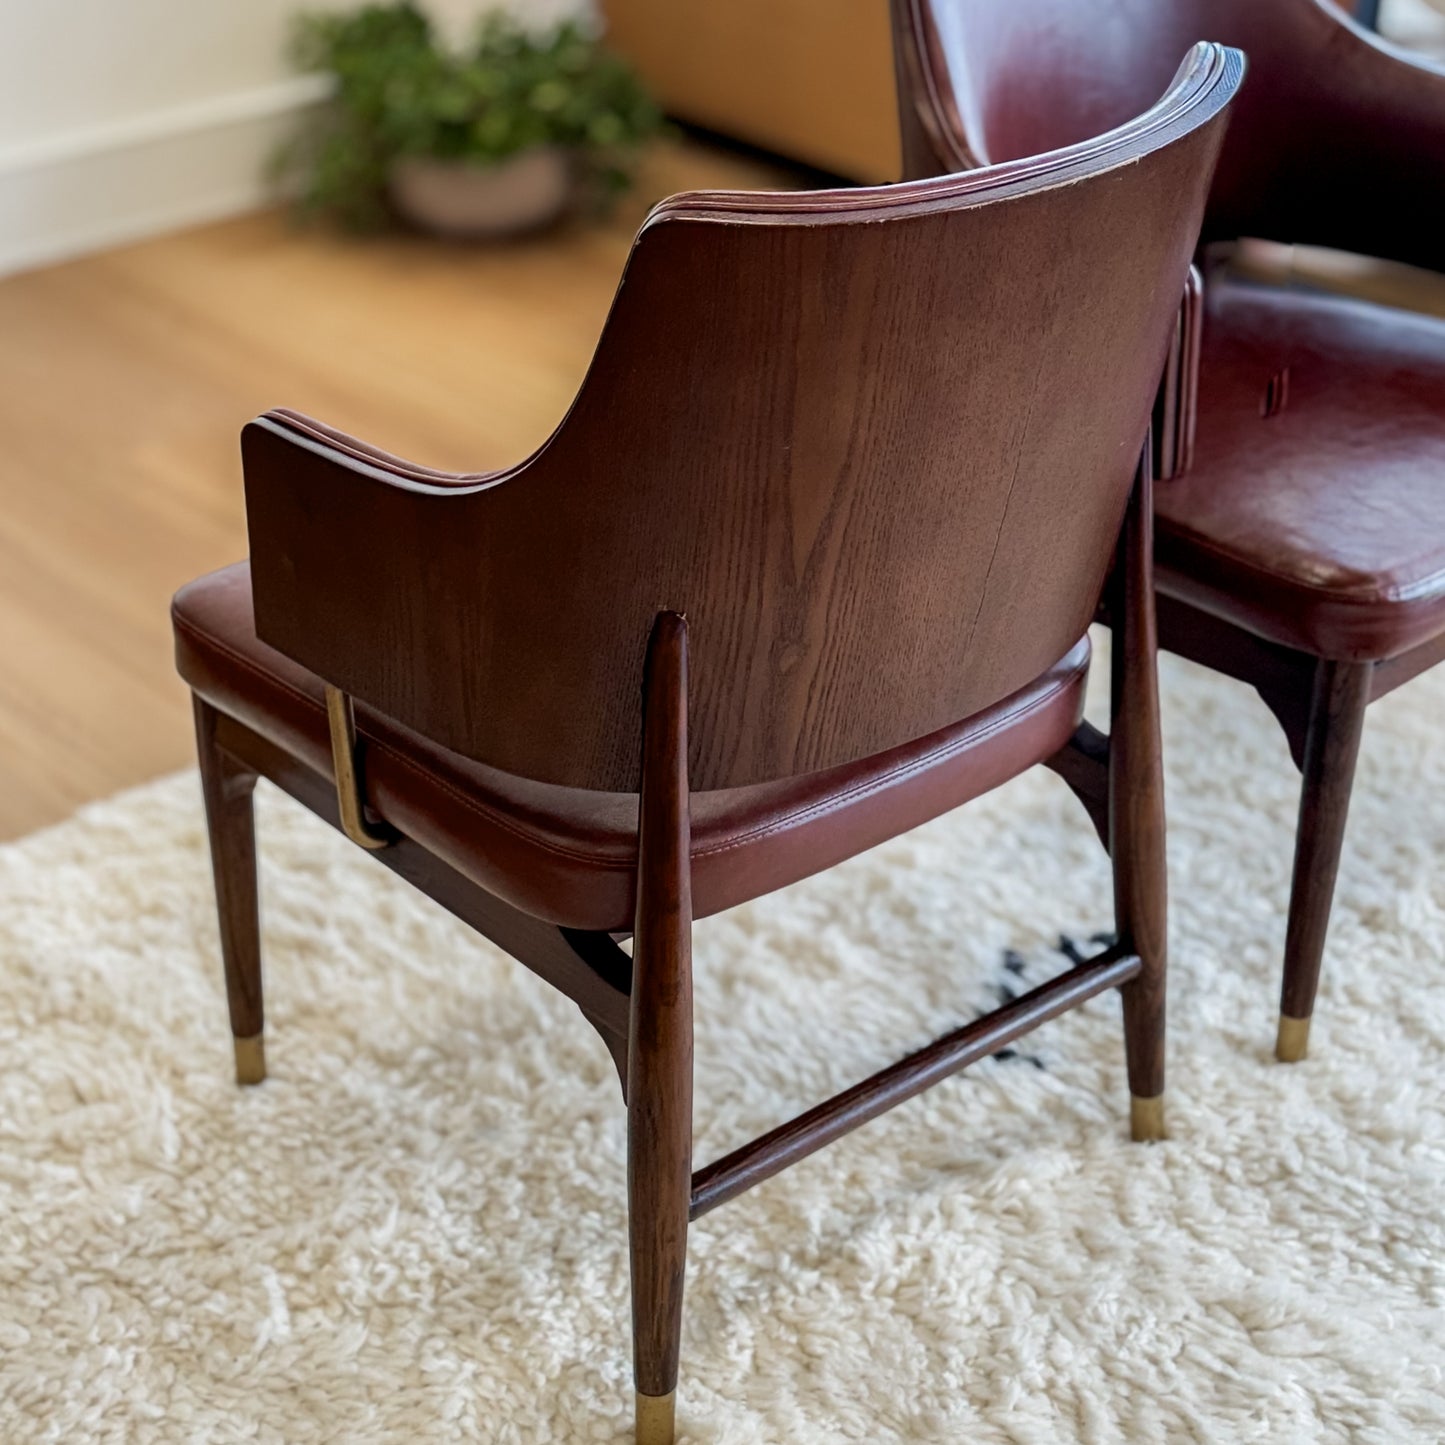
x=125, y=379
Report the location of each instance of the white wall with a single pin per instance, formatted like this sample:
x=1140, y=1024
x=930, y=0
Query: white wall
x=119, y=118
x=1418, y=23
x=122, y=118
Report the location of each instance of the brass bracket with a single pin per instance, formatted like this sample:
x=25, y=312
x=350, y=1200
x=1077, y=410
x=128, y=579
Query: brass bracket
x=350, y=797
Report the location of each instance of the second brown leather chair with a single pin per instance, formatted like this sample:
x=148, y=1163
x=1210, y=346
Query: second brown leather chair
x=1302, y=547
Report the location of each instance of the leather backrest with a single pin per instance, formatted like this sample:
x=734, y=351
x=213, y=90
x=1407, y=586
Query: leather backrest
x=984, y=80
x=876, y=445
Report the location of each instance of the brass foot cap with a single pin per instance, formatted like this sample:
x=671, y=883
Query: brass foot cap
x=1146, y=1119
x=251, y=1059
x=656, y=1419
x=1293, y=1042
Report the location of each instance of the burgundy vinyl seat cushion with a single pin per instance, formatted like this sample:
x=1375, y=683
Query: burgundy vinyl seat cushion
x=569, y=856
x=1314, y=514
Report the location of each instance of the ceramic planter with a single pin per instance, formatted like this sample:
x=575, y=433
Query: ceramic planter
x=464, y=200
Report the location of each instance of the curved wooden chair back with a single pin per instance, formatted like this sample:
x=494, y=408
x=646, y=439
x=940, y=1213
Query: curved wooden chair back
x=981, y=81
x=875, y=445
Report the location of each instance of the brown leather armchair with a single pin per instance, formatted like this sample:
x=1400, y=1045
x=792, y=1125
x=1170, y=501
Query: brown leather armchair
x=834, y=508
x=1303, y=549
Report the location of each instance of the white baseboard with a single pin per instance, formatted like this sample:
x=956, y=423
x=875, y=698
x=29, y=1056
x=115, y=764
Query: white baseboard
x=66, y=195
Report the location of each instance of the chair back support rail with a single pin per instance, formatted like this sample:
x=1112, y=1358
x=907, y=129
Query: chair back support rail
x=874, y=445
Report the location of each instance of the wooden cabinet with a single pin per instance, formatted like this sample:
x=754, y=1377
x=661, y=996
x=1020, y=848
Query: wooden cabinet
x=809, y=79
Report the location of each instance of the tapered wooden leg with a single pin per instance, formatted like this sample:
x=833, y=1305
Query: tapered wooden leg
x=228, y=786
x=1136, y=813
x=659, y=1063
x=1332, y=744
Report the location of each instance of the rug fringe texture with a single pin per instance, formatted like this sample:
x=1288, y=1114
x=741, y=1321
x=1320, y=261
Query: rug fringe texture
x=415, y=1230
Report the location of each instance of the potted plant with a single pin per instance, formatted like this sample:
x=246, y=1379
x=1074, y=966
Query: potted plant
x=489, y=138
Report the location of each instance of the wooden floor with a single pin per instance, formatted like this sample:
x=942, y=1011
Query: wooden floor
x=125, y=379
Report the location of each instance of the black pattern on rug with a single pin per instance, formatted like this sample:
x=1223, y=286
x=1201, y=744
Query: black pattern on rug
x=1018, y=975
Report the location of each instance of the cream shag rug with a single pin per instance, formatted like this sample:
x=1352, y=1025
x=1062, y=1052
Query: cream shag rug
x=415, y=1230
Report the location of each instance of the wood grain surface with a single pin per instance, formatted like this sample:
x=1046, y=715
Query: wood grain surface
x=910, y=388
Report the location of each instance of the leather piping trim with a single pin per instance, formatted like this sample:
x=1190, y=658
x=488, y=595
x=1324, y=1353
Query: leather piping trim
x=506, y=824
x=903, y=770
x=1396, y=597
